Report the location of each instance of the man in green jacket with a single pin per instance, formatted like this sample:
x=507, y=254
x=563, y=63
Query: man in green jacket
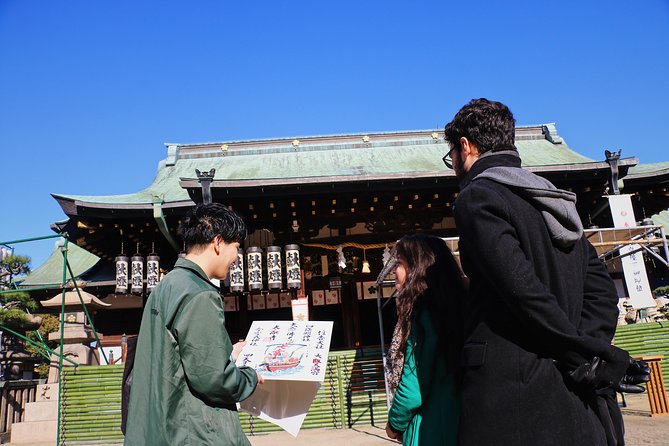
x=185, y=384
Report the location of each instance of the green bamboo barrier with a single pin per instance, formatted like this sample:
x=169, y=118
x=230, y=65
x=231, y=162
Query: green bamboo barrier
x=644, y=340
x=91, y=405
x=353, y=394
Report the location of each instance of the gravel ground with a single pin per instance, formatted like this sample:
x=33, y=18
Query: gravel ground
x=643, y=429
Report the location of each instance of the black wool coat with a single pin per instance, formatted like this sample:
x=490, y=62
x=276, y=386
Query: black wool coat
x=532, y=305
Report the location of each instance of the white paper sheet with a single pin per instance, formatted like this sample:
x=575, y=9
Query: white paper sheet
x=292, y=357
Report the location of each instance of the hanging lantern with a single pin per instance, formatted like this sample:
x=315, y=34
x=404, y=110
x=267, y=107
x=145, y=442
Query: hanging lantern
x=152, y=271
x=274, y=267
x=137, y=273
x=293, y=278
x=122, y=272
x=237, y=273
x=254, y=267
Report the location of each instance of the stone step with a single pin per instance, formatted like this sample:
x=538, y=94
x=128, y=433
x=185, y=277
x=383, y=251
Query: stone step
x=41, y=411
x=34, y=443
x=47, y=392
x=32, y=432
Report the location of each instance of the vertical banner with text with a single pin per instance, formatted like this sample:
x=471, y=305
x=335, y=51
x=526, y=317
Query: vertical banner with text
x=634, y=267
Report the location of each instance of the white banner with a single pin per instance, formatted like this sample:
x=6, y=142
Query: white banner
x=634, y=267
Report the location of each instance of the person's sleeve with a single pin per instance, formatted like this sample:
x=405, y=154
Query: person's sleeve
x=484, y=219
x=599, y=316
x=205, y=350
x=407, y=398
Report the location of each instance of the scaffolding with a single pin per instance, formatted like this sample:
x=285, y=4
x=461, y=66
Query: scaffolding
x=41, y=347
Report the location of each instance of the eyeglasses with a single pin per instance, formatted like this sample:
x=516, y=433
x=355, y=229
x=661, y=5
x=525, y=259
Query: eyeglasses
x=448, y=161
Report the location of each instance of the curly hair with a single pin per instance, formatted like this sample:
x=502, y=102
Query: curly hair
x=488, y=124
x=434, y=282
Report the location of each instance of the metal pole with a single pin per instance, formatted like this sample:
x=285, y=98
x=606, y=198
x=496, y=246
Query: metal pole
x=383, y=344
x=62, y=330
x=38, y=346
x=31, y=239
x=664, y=242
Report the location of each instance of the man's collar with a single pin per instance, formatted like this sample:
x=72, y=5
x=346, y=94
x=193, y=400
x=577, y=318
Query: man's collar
x=189, y=264
x=509, y=158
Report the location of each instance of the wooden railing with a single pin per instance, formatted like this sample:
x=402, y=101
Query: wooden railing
x=15, y=396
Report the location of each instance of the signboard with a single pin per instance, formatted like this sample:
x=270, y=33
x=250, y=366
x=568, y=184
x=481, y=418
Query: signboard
x=300, y=309
x=291, y=356
x=632, y=261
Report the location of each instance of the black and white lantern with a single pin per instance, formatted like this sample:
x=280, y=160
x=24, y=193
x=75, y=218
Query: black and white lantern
x=274, y=267
x=254, y=267
x=237, y=273
x=293, y=278
x=122, y=273
x=137, y=273
x=152, y=271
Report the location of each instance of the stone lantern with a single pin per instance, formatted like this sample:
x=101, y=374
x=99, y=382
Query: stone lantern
x=77, y=333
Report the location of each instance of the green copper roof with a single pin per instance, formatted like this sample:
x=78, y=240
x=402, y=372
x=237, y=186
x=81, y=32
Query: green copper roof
x=51, y=271
x=662, y=219
x=341, y=157
x=641, y=169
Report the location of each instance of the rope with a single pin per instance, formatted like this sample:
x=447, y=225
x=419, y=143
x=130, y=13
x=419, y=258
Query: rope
x=348, y=245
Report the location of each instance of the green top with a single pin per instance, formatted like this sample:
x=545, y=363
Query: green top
x=184, y=381
x=425, y=406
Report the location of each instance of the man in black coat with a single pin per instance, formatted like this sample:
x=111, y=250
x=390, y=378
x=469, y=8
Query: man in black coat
x=542, y=310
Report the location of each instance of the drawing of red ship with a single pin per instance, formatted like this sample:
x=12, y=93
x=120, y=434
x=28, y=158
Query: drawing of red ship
x=282, y=357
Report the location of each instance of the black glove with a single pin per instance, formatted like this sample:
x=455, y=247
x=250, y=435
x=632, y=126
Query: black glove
x=586, y=373
x=637, y=372
x=594, y=374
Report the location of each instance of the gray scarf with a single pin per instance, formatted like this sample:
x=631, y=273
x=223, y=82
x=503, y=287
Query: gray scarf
x=557, y=206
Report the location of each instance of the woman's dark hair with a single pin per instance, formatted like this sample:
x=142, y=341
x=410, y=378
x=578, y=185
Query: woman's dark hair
x=434, y=283
x=488, y=124
x=204, y=222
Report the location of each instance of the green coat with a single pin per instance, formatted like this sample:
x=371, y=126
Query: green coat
x=425, y=406
x=184, y=382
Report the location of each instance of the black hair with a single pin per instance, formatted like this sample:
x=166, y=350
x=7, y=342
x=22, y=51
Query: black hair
x=487, y=124
x=435, y=282
x=204, y=222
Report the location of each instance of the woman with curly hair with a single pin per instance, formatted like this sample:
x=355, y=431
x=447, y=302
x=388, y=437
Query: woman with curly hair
x=430, y=286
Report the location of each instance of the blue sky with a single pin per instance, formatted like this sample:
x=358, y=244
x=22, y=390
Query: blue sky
x=90, y=90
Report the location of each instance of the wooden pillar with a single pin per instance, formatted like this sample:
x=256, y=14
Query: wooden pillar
x=350, y=312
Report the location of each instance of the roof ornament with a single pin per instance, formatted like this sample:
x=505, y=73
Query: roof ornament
x=365, y=139
x=296, y=143
x=435, y=135
x=612, y=159
x=205, y=179
x=224, y=149
x=550, y=132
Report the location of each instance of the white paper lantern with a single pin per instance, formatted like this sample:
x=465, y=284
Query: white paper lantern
x=254, y=267
x=122, y=274
x=137, y=274
x=237, y=273
x=274, y=267
x=293, y=278
x=152, y=272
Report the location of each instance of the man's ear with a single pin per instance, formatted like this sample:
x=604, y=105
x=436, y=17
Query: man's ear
x=217, y=243
x=468, y=148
